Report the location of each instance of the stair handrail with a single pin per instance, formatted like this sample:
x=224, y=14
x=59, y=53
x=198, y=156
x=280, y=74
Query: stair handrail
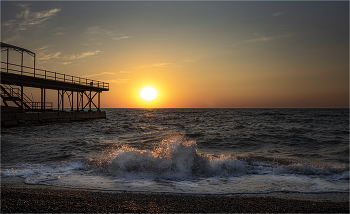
x=11, y=90
x=26, y=99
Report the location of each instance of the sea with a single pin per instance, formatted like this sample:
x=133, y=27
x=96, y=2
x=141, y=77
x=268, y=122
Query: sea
x=193, y=151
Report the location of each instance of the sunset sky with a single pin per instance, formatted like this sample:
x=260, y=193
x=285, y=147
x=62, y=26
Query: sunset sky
x=232, y=54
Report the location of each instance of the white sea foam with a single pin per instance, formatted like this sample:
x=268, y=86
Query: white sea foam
x=47, y=169
x=175, y=158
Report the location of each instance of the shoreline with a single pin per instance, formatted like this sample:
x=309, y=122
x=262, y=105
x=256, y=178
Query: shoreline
x=16, y=196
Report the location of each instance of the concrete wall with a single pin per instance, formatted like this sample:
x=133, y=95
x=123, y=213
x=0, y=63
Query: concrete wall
x=9, y=118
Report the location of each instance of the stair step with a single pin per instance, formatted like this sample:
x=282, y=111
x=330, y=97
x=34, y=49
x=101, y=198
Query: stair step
x=11, y=98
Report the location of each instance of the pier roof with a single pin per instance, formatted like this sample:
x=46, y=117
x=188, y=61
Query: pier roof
x=19, y=49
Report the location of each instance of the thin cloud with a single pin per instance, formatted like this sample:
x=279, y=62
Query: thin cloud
x=14, y=37
x=277, y=14
x=42, y=48
x=59, y=34
x=195, y=58
x=157, y=65
x=66, y=63
x=23, y=5
x=82, y=55
x=42, y=56
x=98, y=74
x=119, y=80
x=27, y=18
x=24, y=13
x=162, y=64
x=98, y=30
x=9, y=23
x=265, y=39
x=123, y=37
x=94, y=33
x=198, y=57
x=124, y=72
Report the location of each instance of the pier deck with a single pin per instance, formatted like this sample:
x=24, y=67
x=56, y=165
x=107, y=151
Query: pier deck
x=38, y=82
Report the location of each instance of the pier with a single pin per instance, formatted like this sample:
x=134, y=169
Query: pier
x=83, y=94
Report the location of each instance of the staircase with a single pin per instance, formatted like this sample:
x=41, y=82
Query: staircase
x=11, y=94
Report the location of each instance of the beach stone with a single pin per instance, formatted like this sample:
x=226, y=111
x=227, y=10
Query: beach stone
x=46, y=199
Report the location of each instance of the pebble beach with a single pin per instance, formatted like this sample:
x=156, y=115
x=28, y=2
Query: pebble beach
x=16, y=196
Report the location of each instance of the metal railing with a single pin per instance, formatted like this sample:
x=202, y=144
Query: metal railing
x=50, y=75
x=38, y=105
x=15, y=92
x=12, y=92
x=28, y=103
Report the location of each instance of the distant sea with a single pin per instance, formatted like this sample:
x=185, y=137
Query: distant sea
x=211, y=151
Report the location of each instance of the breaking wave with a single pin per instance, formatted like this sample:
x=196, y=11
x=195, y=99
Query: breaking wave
x=175, y=158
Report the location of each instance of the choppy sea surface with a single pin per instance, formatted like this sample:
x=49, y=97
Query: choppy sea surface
x=215, y=151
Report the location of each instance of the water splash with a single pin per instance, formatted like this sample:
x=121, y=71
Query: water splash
x=175, y=158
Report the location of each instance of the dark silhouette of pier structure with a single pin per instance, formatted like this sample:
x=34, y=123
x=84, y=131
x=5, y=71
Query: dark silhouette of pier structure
x=14, y=77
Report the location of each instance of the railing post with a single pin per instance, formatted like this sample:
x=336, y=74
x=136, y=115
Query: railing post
x=58, y=99
x=90, y=101
x=103, y=85
x=71, y=108
x=62, y=100
x=22, y=97
x=7, y=63
x=72, y=79
x=44, y=98
x=77, y=100
x=64, y=77
x=45, y=74
x=34, y=65
x=99, y=101
x=55, y=76
x=79, y=80
x=98, y=84
x=22, y=64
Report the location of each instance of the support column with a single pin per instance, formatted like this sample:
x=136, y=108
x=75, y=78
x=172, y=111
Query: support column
x=71, y=108
x=7, y=61
x=42, y=99
x=22, y=64
x=98, y=101
x=22, y=98
x=77, y=100
x=82, y=101
x=90, y=101
x=62, y=99
x=34, y=65
x=45, y=99
x=58, y=100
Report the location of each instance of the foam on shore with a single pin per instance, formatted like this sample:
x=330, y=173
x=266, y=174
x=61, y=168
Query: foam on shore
x=17, y=182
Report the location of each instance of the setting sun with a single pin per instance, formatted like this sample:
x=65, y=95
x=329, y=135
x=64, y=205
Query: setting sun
x=148, y=93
